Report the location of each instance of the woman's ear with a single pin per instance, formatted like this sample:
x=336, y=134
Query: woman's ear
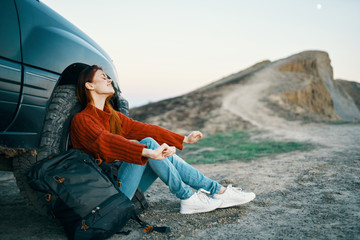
x=89, y=85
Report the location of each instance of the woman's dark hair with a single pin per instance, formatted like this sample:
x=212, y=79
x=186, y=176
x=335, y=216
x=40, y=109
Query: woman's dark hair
x=82, y=92
x=85, y=98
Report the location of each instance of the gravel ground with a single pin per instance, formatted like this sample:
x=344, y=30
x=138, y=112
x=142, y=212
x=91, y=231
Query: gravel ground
x=300, y=195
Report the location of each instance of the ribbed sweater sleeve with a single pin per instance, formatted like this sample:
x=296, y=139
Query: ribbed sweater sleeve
x=90, y=135
x=133, y=129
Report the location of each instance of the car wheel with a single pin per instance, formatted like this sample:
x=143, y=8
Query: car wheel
x=55, y=139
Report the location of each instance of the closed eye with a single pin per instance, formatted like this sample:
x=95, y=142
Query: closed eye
x=104, y=76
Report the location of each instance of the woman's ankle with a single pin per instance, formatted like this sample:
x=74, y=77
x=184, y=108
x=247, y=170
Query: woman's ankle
x=222, y=190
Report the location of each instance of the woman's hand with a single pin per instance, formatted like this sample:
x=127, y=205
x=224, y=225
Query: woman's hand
x=193, y=137
x=159, y=153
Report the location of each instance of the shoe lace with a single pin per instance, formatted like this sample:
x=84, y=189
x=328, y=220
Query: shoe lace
x=204, y=191
x=202, y=196
x=235, y=189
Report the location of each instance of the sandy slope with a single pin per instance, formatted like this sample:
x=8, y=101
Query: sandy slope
x=246, y=101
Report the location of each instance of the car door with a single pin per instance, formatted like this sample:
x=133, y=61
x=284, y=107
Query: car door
x=10, y=63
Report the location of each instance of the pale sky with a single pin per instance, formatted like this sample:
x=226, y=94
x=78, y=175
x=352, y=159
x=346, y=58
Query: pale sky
x=165, y=48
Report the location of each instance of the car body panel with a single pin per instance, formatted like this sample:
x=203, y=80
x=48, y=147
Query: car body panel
x=10, y=67
x=10, y=87
x=9, y=29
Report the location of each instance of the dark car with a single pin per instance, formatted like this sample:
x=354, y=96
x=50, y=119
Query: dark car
x=41, y=56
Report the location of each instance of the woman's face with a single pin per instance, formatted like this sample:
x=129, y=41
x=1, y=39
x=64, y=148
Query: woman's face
x=101, y=84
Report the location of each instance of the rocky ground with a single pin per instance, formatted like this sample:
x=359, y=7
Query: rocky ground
x=300, y=195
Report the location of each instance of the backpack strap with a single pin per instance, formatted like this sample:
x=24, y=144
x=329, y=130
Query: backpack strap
x=150, y=228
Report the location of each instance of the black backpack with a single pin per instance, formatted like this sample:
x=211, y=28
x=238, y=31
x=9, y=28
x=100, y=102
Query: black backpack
x=83, y=197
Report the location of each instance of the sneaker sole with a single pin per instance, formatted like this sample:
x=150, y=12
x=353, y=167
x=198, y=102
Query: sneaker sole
x=233, y=204
x=192, y=211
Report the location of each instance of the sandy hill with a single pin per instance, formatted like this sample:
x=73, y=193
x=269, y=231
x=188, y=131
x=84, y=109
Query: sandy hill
x=298, y=88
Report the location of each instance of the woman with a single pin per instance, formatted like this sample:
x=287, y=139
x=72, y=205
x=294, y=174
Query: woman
x=107, y=134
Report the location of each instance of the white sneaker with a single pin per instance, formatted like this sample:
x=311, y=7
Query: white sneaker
x=198, y=203
x=234, y=196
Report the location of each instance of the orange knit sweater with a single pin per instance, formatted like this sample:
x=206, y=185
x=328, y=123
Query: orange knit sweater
x=90, y=131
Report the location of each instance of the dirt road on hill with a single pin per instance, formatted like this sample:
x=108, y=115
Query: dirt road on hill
x=300, y=195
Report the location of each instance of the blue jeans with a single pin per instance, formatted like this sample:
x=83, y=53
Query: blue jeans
x=173, y=171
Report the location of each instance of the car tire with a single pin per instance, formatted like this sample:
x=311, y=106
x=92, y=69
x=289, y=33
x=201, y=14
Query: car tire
x=55, y=139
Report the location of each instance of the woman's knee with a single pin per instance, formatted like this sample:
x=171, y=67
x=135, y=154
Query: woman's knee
x=150, y=142
x=130, y=170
